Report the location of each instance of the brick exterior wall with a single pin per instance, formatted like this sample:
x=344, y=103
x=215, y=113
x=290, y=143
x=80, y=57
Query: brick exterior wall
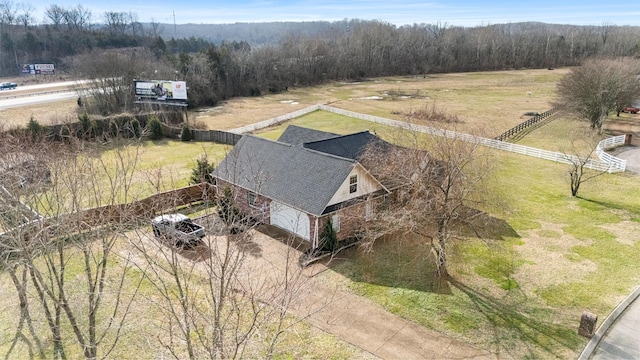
x=260, y=212
x=351, y=218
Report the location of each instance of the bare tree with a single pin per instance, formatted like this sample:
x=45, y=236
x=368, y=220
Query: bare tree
x=116, y=22
x=581, y=153
x=25, y=18
x=111, y=90
x=156, y=28
x=435, y=192
x=218, y=302
x=62, y=263
x=78, y=18
x=55, y=15
x=598, y=87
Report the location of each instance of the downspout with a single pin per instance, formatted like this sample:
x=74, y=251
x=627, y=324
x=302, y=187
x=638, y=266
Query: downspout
x=315, y=235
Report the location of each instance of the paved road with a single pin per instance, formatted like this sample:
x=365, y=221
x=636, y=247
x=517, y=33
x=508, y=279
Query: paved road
x=632, y=155
x=7, y=99
x=622, y=339
x=36, y=99
x=618, y=337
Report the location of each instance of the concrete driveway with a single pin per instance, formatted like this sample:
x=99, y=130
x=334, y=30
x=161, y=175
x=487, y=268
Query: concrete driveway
x=632, y=155
x=353, y=318
x=331, y=307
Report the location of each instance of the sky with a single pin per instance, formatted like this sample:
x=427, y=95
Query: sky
x=399, y=12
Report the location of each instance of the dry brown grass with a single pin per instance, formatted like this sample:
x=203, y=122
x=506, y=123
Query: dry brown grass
x=487, y=102
x=45, y=114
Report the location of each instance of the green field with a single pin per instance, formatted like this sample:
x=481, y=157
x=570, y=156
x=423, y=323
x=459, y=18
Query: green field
x=520, y=293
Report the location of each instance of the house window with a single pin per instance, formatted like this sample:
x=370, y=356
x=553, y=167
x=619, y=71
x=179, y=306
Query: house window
x=252, y=199
x=335, y=222
x=368, y=210
x=353, y=184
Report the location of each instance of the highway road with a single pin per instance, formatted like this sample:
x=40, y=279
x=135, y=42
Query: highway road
x=38, y=94
x=36, y=99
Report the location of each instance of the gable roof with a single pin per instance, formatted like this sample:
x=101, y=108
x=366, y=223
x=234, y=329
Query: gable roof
x=350, y=146
x=299, y=177
x=296, y=135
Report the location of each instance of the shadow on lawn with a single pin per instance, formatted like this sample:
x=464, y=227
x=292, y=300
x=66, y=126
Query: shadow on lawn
x=607, y=204
x=516, y=319
x=393, y=262
x=406, y=260
x=485, y=226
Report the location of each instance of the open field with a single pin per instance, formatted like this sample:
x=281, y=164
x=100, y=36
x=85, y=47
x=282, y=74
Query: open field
x=486, y=102
x=46, y=114
x=519, y=293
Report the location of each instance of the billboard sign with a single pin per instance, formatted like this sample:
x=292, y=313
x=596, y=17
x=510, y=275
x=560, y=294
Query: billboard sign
x=38, y=69
x=44, y=69
x=161, y=91
x=28, y=69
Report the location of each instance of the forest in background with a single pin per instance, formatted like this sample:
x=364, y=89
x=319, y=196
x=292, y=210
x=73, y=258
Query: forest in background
x=250, y=59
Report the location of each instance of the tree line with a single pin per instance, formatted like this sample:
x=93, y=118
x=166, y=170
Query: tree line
x=306, y=54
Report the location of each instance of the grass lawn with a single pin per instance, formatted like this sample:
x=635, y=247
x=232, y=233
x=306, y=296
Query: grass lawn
x=143, y=332
x=519, y=293
x=157, y=166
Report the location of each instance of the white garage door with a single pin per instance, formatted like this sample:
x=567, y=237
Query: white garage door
x=290, y=219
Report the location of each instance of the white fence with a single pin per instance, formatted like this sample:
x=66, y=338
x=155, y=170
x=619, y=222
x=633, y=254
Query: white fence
x=609, y=143
x=275, y=121
x=606, y=161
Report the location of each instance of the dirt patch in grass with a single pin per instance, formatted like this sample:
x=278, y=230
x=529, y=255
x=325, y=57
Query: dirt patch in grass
x=547, y=260
x=488, y=102
x=626, y=232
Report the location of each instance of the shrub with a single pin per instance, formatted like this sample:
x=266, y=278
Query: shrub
x=202, y=172
x=132, y=128
x=114, y=131
x=34, y=128
x=64, y=135
x=185, y=135
x=155, y=127
x=227, y=209
x=328, y=237
x=86, y=129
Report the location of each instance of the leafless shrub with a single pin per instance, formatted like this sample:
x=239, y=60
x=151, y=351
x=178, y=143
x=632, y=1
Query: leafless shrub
x=428, y=113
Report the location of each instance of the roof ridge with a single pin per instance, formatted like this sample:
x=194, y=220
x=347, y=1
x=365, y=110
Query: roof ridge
x=318, y=152
x=339, y=137
x=268, y=140
x=328, y=154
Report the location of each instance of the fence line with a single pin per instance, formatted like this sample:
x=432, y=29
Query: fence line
x=16, y=209
x=121, y=213
x=276, y=120
x=606, y=162
x=523, y=125
x=218, y=136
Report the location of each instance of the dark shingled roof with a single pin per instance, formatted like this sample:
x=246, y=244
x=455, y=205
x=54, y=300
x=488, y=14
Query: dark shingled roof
x=302, y=178
x=350, y=146
x=296, y=135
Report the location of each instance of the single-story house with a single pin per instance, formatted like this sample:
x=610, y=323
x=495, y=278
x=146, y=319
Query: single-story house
x=303, y=179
